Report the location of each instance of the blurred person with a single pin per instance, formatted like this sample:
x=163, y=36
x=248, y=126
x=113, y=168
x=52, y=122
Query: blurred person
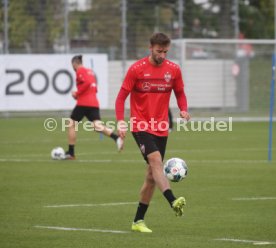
x=87, y=106
x=245, y=49
x=149, y=81
x=196, y=28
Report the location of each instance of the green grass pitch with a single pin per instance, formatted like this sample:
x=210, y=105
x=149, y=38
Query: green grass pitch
x=230, y=190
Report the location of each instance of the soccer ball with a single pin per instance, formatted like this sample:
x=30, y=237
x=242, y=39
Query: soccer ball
x=58, y=153
x=175, y=169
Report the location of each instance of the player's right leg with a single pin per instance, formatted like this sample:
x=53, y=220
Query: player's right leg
x=140, y=226
x=146, y=194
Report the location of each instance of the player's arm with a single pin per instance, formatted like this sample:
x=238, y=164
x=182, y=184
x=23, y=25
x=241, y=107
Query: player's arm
x=182, y=104
x=126, y=88
x=181, y=96
x=120, y=111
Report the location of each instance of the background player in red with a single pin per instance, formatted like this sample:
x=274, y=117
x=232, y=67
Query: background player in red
x=87, y=105
x=149, y=82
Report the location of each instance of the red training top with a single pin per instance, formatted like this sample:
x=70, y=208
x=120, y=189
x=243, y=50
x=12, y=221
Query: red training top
x=86, y=88
x=150, y=87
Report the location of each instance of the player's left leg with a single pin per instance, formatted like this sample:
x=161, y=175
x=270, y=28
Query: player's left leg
x=76, y=115
x=156, y=165
x=72, y=136
x=93, y=115
x=155, y=160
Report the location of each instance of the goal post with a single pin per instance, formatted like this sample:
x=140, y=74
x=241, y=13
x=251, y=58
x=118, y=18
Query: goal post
x=228, y=77
x=271, y=108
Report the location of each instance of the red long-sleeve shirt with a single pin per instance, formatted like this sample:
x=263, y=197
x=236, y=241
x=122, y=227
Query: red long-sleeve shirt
x=150, y=89
x=86, y=88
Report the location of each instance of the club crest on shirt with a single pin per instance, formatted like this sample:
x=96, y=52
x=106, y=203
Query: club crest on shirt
x=142, y=148
x=146, y=86
x=167, y=77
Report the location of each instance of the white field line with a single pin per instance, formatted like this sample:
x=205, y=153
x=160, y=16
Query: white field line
x=35, y=141
x=218, y=161
x=91, y=205
x=253, y=198
x=254, y=242
x=53, y=161
x=184, y=150
x=79, y=229
x=226, y=161
x=42, y=157
x=137, y=152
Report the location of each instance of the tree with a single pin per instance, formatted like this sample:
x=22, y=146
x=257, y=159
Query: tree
x=34, y=24
x=19, y=34
x=98, y=27
x=49, y=26
x=144, y=17
x=257, y=19
x=104, y=25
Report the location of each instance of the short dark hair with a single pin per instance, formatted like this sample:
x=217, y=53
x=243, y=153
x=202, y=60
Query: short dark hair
x=77, y=59
x=160, y=39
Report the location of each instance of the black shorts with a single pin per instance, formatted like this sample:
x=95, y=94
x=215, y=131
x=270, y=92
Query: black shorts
x=91, y=113
x=149, y=143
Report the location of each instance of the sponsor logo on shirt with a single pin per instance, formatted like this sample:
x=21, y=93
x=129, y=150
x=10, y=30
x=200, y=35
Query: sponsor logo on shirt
x=142, y=148
x=151, y=87
x=146, y=86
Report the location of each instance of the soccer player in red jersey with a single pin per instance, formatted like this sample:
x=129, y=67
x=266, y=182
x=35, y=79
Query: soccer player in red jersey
x=87, y=105
x=149, y=81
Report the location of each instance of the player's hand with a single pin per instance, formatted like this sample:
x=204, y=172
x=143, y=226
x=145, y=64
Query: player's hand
x=122, y=128
x=74, y=94
x=185, y=115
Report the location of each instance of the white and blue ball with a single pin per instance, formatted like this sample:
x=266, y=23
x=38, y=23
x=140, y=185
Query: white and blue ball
x=58, y=153
x=175, y=169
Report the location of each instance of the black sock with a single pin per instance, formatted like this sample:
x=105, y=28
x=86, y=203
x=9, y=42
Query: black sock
x=141, y=211
x=114, y=136
x=169, y=196
x=71, y=150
